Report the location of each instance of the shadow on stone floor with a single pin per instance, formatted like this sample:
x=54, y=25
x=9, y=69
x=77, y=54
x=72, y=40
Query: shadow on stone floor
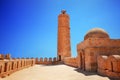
x=114, y=78
x=85, y=72
x=93, y=73
x=51, y=64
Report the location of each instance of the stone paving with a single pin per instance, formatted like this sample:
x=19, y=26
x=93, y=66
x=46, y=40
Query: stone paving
x=52, y=72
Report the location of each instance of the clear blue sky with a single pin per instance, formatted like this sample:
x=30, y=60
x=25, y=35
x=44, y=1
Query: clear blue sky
x=28, y=28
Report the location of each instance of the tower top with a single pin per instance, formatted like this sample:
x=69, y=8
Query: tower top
x=63, y=11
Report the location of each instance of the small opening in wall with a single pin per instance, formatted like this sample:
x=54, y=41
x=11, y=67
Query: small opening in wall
x=5, y=67
x=111, y=66
x=0, y=68
x=59, y=57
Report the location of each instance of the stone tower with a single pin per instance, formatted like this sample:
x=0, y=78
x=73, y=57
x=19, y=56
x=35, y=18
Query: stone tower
x=63, y=46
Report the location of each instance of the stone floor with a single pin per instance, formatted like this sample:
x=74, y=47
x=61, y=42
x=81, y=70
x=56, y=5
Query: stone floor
x=52, y=72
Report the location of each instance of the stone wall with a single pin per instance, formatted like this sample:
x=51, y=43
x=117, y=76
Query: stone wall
x=46, y=61
x=90, y=60
x=92, y=53
x=71, y=61
x=8, y=67
x=89, y=49
x=109, y=65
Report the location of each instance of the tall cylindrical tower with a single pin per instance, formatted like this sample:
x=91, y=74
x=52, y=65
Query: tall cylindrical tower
x=64, y=48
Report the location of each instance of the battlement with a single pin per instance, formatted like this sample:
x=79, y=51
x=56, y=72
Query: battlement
x=9, y=65
x=46, y=61
x=7, y=56
x=109, y=65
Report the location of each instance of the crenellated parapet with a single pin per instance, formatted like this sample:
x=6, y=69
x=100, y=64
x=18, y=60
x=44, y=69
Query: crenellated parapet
x=109, y=65
x=46, y=61
x=1, y=56
x=9, y=66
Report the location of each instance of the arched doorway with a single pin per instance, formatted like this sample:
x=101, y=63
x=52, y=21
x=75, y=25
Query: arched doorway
x=83, y=60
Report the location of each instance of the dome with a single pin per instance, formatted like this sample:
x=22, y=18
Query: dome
x=96, y=33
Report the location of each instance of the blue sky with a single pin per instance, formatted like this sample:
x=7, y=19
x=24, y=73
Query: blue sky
x=28, y=28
